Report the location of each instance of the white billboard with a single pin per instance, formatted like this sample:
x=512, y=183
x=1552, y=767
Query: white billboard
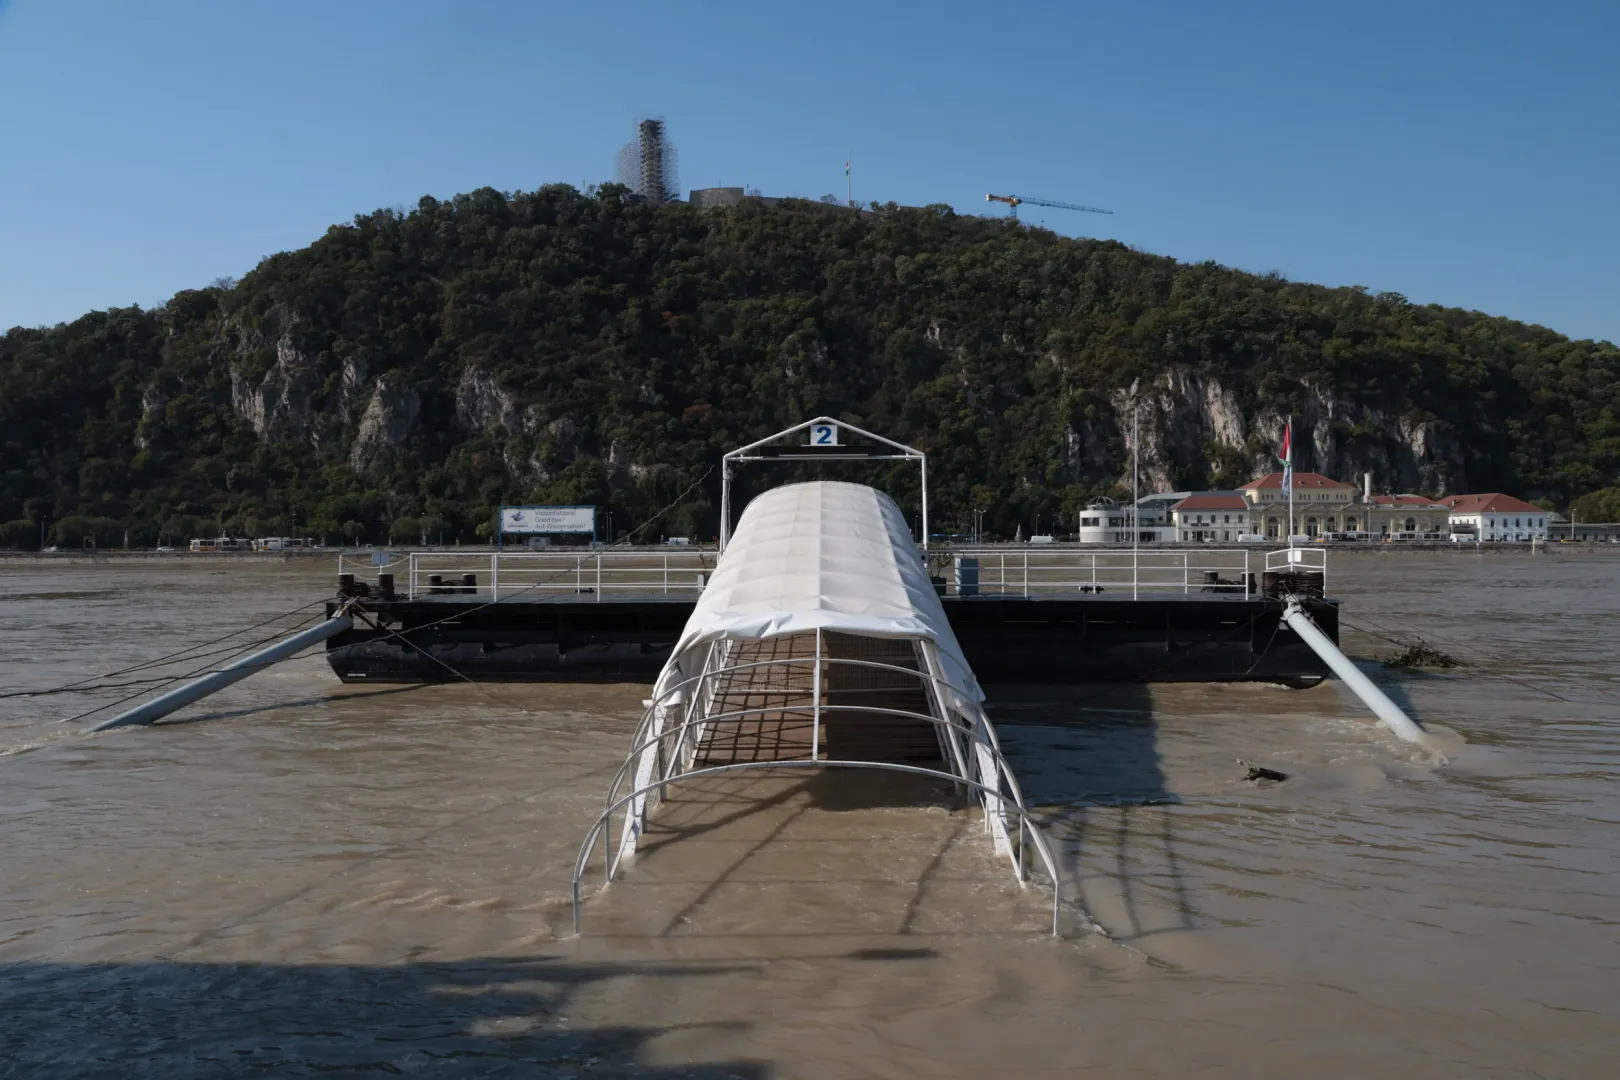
x=548, y=519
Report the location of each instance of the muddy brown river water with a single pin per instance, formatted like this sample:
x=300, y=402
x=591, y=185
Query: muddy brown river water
x=297, y=878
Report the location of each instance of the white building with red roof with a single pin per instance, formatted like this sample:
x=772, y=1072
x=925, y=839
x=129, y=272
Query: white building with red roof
x=1208, y=516
x=1496, y=517
x=1407, y=517
x=1321, y=505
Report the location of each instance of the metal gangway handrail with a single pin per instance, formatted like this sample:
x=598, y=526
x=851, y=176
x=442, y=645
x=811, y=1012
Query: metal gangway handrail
x=1295, y=560
x=668, y=740
x=1024, y=571
x=601, y=573
x=1006, y=570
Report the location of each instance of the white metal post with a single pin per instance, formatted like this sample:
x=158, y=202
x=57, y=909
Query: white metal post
x=924, y=464
x=495, y=575
x=725, y=507
x=815, y=703
x=1136, y=497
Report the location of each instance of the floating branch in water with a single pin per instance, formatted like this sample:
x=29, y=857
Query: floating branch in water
x=1258, y=773
x=1420, y=654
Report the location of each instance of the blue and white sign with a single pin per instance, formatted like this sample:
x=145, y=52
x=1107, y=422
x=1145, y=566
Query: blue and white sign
x=823, y=434
x=548, y=519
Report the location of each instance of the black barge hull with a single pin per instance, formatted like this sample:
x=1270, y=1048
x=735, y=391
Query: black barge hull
x=1198, y=637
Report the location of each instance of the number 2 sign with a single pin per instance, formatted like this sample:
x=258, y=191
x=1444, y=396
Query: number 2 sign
x=823, y=435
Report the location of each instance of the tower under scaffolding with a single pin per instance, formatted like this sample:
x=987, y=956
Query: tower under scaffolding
x=647, y=164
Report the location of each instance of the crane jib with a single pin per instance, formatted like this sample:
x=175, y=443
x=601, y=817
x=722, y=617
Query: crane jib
x=1014, y=201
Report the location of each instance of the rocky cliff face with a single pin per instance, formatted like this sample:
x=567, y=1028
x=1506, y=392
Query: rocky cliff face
x=1189, y=427
x=389, y=420
x=1184, y=419
x=278, y=405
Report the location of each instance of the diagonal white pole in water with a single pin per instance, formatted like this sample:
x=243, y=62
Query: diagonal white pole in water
x=180, y=697
x=1364, y=688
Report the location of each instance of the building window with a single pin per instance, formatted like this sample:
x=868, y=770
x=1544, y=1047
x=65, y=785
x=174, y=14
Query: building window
x=1411, y=525
x=1310, y=526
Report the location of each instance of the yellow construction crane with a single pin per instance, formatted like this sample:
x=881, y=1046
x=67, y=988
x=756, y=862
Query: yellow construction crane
x=1014, y=201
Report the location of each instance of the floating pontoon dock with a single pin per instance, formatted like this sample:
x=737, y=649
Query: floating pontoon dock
x=1020, y=612
x=1047, y=614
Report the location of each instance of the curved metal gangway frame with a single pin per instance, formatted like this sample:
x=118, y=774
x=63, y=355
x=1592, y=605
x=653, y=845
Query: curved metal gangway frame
x=667, y=743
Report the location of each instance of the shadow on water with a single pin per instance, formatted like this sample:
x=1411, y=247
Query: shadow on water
x=1088, y=757
x=473, y=1018
x=301, y=703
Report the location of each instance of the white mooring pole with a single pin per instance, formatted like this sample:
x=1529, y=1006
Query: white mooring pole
x=1376, y=700
x=179, y=698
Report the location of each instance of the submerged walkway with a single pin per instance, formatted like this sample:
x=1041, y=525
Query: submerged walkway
x=819, y=647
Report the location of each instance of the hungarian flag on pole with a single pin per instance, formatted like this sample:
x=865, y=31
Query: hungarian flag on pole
x=1287, y=456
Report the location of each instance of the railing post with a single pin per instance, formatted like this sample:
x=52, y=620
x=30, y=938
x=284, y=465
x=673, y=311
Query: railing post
x=815, y=703
x=666, y=573
x=495, y=575
x=598, y=577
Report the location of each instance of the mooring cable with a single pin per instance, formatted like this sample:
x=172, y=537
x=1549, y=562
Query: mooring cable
x=1480, y=656
x=206, y=669
x=181, y=656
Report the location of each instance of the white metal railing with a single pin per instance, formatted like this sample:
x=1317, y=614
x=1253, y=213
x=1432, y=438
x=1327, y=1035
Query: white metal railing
x=1297, y=560
x=1025, y=572
x=1010, y=570
x=602, y=573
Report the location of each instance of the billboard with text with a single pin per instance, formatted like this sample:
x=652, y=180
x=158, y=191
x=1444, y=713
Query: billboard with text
x=548, y=519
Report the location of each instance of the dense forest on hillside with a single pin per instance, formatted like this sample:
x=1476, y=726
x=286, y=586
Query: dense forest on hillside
x=407, y=373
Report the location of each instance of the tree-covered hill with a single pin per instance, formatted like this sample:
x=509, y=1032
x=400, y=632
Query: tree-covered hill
x=407, y=373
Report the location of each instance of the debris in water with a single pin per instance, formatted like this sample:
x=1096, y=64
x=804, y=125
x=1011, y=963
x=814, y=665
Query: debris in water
x=1420, y=654
x=1258, y=773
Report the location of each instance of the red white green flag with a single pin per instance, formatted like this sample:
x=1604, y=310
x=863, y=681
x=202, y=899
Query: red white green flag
x=1287, y=456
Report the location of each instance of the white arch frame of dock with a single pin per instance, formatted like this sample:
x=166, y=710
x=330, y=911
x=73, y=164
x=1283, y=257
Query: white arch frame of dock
x=753, y=452
x=822, y=560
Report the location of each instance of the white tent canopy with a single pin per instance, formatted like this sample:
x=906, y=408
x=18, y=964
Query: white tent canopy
x=824, y=555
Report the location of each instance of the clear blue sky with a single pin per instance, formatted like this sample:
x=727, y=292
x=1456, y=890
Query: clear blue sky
x=1463, y=153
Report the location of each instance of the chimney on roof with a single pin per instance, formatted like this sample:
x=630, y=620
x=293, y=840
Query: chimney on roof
x=1366, y=487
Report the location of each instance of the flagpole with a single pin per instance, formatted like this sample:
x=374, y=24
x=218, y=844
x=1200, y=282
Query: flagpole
x=1288, y=471
x=1136, y=502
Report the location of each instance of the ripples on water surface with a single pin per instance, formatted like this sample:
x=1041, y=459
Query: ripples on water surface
x=308, y=878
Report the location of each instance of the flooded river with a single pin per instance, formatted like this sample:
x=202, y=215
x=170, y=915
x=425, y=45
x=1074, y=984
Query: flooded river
x=299, y=878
